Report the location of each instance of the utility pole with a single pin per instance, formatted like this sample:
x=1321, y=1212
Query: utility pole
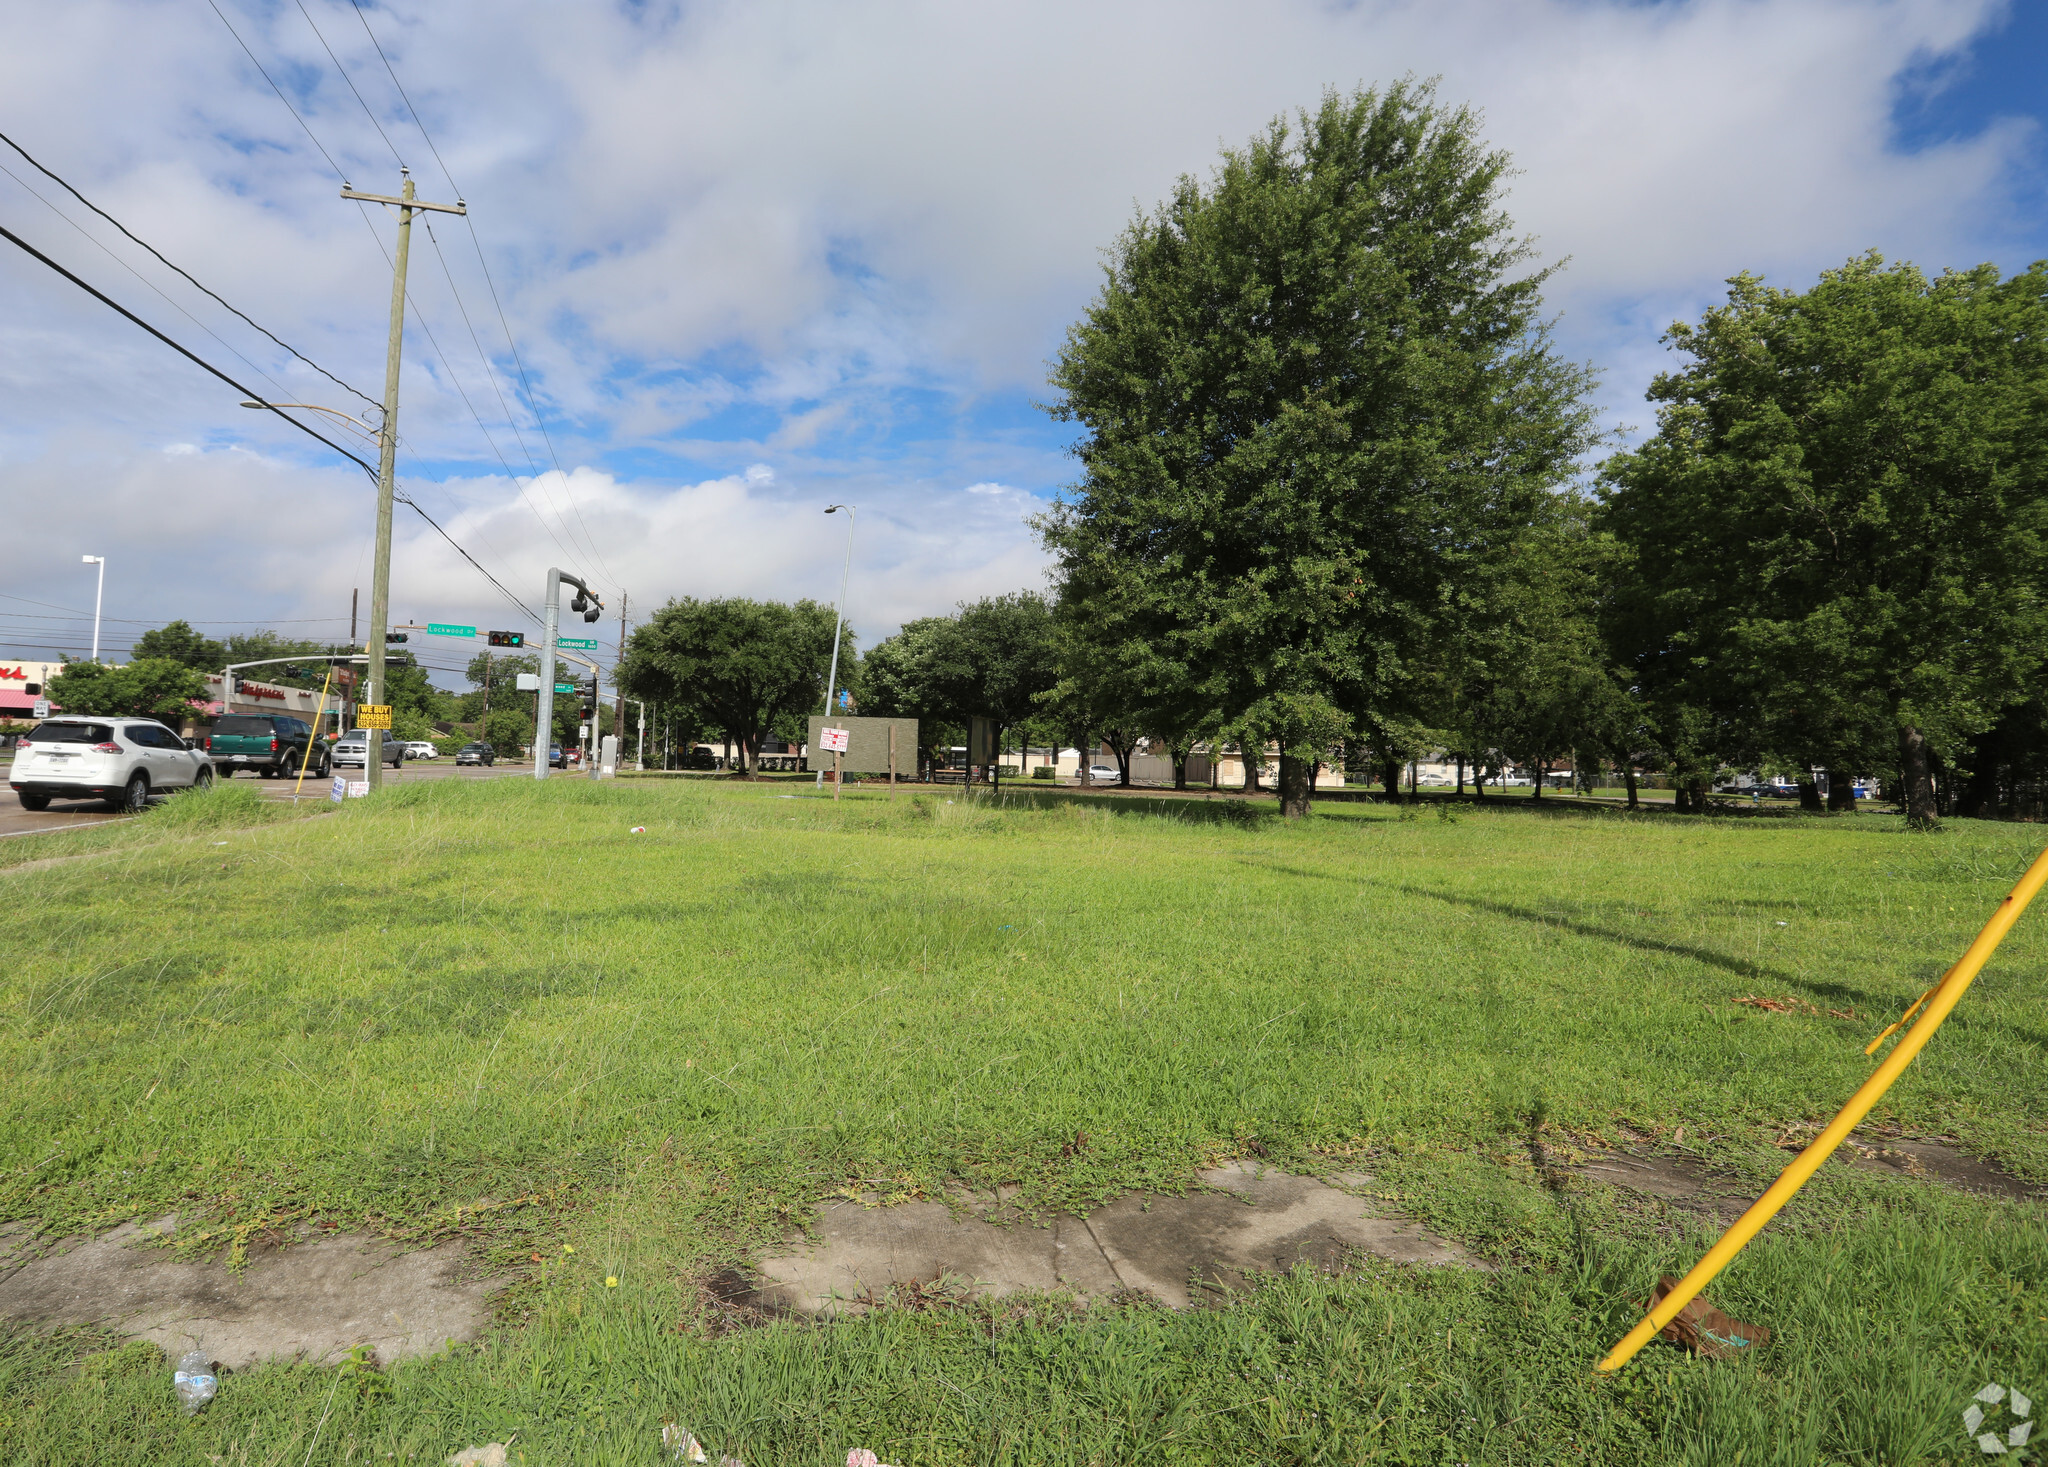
x=97, y=596
x=387, y=456
x=352, y=595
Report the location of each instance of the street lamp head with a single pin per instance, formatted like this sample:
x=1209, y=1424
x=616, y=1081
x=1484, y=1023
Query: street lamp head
x=835, y=508
x=252, y=403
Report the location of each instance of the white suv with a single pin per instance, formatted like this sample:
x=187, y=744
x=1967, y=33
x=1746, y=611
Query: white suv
x=119, y=760
x=421, y=749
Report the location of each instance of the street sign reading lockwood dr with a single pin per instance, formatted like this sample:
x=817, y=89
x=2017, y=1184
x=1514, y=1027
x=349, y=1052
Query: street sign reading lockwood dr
x=373, y=715
x=565, y=687
x=449, y=629
x=584, y=643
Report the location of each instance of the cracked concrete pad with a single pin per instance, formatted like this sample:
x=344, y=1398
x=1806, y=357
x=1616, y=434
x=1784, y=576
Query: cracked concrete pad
x=314, y=1300
x=1177, y=1249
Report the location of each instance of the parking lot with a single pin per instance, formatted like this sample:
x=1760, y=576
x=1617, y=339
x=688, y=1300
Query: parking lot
x=62, y=813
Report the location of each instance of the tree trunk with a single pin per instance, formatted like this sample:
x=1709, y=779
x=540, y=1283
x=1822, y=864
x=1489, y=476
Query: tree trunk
x=1180, y=768
x=1461, y=774
x=1251, y=770
x=1628, y=778
x=1809, y=796
x=1085, y=757
x=1390, y=778
x=1918, y=795
x=1297, y=780
x=1841, y=791
x=1681, y=797
x=1542, y=770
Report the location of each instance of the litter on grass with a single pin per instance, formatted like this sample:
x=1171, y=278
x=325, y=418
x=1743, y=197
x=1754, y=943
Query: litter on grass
x=1705, y=1330
x=490, y=1454
x=680, y=1444
x=862, y=1457
x=637, y=830
x=194, y=1381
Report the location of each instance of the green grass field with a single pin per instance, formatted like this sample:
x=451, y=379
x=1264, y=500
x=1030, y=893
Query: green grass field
x=676, y=1043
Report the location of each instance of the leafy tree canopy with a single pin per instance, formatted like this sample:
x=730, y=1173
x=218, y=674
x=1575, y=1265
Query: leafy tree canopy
x=1838, y=536
x=740, y=665
x=179, y=643
x=1317, y=395
x=147, y=687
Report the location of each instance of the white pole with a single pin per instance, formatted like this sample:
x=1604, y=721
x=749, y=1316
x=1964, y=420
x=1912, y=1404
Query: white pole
x=97, y=596
x=838, y=621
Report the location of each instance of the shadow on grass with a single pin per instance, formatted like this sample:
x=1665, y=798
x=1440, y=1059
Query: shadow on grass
x=1194, y=811
x=1741, y=967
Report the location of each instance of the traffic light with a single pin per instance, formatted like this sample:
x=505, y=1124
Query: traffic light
x=508, y=639
x=390, y=637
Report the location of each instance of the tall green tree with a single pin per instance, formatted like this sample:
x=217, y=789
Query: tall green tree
x=1839, y=533
x=741, y=665
x=179, y=643
x=993, y=658
x=1317, y=396
x=146, y=687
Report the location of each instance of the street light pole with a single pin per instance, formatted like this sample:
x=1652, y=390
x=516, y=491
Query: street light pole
x=387, y=455
x=97, y=596
x=838, y=621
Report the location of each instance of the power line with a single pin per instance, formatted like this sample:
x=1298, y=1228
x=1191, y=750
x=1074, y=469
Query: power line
x=152, y=285
x=248, y=392
x=351, y=84
x=532, y=403
x=61, y=183
x=251, y=393
x=279, y=90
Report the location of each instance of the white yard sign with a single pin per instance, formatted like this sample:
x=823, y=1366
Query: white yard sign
x=835, y=740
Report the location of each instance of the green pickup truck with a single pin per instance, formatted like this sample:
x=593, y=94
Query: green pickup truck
x=270, y=743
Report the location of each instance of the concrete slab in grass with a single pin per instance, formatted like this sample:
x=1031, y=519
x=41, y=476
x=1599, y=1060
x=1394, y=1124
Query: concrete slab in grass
x=1178, y=1250
x=313, y=1300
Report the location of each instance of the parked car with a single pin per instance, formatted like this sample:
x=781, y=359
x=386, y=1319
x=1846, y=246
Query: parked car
x=120, y=760
x=272, y=744
x=421, y=749
x=1104, y=772
x=354, y=748
x=555, y=760
x=700, y=758
x=476, y=754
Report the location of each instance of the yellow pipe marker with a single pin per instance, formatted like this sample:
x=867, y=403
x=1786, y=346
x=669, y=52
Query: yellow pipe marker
x=1943, y=998
x=318, y=714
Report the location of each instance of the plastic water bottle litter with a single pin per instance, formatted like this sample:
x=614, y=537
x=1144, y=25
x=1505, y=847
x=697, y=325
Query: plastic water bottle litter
x=195, y=1382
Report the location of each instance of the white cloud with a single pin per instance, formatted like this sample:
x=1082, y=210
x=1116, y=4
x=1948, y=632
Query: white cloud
x=772, y=236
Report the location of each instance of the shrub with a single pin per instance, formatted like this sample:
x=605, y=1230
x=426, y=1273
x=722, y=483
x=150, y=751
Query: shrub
x=1043, y=771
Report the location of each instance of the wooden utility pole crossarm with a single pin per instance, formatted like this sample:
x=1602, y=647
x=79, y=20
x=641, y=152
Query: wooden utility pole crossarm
x=406, y=202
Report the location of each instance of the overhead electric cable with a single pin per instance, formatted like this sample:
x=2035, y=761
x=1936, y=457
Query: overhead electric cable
x=279, y=90
x=351, y=84
x=145, y=280
x=247, y=392
x=63, y=184
x=476, y=241
x=251, y=393
x=408, y=499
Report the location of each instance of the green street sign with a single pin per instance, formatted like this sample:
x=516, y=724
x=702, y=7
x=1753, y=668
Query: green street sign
x=565, y=687
x=449, y=629
x=587, y=646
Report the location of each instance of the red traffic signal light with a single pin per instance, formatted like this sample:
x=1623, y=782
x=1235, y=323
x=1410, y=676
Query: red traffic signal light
x=508, y=639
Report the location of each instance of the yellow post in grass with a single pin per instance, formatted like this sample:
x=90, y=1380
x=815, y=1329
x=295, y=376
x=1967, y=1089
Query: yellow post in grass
x=1939, y=1002
x=318, y=713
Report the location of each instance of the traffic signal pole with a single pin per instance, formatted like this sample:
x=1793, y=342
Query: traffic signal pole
x=551, y=623
x=387, y=456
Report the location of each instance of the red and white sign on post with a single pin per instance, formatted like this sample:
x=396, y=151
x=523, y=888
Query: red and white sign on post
x=837, y=740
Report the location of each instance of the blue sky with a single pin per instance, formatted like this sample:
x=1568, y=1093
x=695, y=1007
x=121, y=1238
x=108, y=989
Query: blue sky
x=761, y=258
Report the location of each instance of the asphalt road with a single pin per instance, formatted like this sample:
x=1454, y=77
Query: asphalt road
x=65, y=813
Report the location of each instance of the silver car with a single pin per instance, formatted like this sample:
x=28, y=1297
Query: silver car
x=122, y=761
x=354, y=748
